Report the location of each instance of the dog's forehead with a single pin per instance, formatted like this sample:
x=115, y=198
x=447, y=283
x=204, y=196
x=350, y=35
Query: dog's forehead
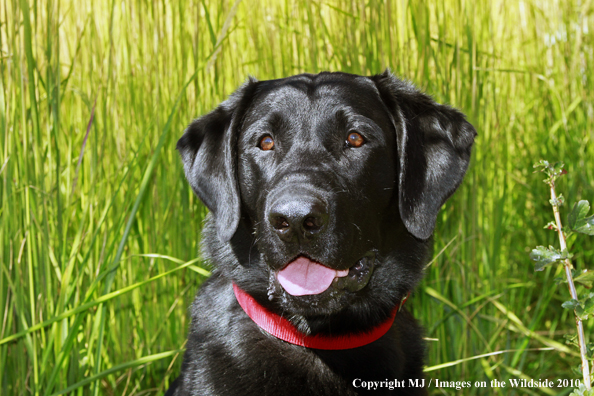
x=321, y=95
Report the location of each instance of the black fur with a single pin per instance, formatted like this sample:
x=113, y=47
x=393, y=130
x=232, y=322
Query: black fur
x=379, y=201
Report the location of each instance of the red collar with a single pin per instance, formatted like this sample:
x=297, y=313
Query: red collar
x=283, y=329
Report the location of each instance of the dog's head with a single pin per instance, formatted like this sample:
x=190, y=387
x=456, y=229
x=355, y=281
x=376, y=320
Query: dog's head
x=324, y=191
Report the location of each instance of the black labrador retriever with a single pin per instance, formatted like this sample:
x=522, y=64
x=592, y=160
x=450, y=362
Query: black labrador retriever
x=323, y=193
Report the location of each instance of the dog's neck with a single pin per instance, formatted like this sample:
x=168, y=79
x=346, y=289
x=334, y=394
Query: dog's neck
x=283, y=329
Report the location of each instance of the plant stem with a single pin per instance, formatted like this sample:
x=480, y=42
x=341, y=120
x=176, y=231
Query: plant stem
x=567, y=267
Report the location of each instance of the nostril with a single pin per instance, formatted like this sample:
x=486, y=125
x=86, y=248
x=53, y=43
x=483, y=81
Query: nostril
x=297, y=218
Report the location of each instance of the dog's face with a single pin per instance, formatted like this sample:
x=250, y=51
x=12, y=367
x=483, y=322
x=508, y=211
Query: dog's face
x=324, y=190
x=316, y=176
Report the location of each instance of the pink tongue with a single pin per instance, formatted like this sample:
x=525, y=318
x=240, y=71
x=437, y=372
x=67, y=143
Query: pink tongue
x=304, y=277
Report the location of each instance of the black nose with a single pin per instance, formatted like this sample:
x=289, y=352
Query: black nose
x=298, y=218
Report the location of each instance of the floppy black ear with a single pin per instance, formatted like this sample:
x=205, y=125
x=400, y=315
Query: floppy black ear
x=208, y=150
x=434, y=143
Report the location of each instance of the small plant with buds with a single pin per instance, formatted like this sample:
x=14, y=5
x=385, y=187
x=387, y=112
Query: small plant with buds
x=582, y=305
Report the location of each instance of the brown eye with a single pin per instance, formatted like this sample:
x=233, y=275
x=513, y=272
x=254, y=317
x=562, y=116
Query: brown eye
x=266, y=143
x=355, y=140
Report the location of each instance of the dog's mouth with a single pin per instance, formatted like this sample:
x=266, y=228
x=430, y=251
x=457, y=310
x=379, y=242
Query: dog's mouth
x=305, y=277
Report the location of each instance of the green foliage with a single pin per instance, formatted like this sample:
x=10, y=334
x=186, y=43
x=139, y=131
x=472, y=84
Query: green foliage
x=544, y=256
x=583, y=307
x=590, y=351
x=586, y=278
x=559, y=201
x=578, y=221
x=571, y=339
x=552, y=170
x=582, y=391
x=570, y=304
x=83, y=246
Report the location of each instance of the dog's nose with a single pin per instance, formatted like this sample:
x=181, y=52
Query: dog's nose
x=298, y=219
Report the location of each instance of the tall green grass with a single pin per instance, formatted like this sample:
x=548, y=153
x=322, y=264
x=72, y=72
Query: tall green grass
x=99, y=230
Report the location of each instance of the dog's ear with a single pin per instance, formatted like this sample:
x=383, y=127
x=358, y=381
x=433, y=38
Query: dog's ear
x=434, y=143
x=208, y=149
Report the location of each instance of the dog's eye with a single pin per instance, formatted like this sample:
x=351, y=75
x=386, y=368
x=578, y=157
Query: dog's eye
x=355, y=140
x=266, y=143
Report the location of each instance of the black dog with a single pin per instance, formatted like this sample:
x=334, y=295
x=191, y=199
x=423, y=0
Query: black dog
x=323, y=191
